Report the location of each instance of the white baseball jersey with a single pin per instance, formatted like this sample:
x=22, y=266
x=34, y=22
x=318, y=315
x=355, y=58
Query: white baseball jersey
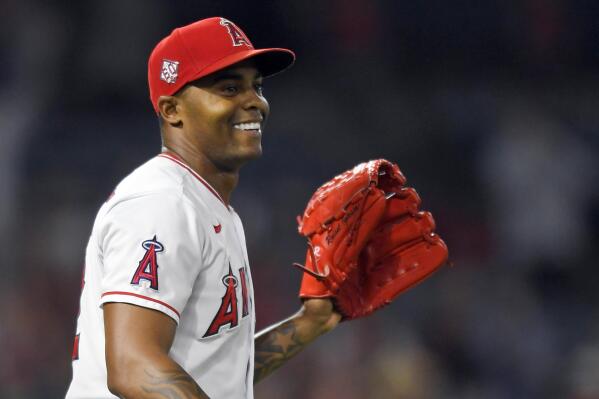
x=165, y=240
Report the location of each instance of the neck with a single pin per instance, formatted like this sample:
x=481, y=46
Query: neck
x=223, y=181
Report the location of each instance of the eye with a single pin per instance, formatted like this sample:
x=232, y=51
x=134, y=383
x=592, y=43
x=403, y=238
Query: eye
x=230, y=89
x=259, y=88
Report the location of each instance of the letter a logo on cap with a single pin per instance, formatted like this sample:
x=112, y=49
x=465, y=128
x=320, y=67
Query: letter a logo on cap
x=237, y=35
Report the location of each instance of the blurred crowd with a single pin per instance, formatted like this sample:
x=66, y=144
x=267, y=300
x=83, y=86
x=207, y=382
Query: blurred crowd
x=490, y=108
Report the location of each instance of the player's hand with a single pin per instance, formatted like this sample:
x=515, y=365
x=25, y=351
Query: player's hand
x=321, y=313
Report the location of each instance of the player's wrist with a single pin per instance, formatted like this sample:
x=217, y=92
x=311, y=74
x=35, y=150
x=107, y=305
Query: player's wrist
x=320, y=315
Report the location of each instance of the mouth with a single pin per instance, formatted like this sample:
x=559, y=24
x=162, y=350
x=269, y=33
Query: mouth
x=249, y=127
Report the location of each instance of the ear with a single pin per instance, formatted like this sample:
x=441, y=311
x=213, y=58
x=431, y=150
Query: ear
x=168, y=107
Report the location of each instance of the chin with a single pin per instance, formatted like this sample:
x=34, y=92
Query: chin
x=252, y=152
x=251, y=155
x=240, y=159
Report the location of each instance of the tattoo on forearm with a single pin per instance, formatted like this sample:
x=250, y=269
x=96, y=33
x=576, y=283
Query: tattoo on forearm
x=275, y=348
x=171, y=384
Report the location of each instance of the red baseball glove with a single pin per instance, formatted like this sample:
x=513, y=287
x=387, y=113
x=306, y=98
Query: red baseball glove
x=367, y=242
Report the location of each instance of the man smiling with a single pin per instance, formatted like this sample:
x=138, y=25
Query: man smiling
x=167, y=306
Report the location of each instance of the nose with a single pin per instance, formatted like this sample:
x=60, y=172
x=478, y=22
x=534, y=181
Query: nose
x=253, y=101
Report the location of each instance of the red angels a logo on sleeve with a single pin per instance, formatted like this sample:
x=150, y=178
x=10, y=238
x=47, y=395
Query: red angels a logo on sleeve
x=147, y=269
x=238, y=37
x=227, y=313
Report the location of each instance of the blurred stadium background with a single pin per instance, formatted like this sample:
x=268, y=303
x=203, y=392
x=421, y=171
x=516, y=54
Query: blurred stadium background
x=491, y=108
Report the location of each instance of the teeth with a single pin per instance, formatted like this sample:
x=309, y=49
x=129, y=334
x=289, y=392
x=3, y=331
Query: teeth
x=247, y=126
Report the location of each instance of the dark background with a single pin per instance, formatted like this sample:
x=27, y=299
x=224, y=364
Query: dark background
x=489, y=107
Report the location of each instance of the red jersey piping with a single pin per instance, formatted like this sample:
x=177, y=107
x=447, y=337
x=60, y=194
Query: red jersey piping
x=179, y=161
x=142, y=297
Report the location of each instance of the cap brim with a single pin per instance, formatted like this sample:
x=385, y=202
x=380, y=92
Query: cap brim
x=269, y=61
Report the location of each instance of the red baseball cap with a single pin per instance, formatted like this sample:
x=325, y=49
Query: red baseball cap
x=204, y=47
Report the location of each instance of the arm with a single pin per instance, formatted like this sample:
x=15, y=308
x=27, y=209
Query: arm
x=137, y=344
x=280, y=342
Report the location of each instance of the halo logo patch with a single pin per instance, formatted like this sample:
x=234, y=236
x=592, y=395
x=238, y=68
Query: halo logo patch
x=147, y=268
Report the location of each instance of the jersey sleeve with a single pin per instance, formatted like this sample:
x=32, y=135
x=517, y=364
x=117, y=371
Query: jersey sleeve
x=151, y=250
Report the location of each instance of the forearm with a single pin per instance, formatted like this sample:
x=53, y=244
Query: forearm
x=138, y=365
x=155, y=378
x=280, y=342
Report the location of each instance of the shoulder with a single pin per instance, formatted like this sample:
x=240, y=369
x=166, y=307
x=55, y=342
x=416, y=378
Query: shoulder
x=156, y=175
x=144, y=214
x=160, y=190
x=156, y=188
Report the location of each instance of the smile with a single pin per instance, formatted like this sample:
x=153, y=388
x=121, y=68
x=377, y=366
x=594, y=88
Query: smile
x=247, y=126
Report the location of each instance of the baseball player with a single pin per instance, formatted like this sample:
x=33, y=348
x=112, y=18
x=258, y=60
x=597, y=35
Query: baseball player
x=167, y=302
x=167, y=306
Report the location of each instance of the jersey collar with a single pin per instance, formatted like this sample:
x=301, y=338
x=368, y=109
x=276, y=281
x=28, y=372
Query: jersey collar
x=175, y=158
